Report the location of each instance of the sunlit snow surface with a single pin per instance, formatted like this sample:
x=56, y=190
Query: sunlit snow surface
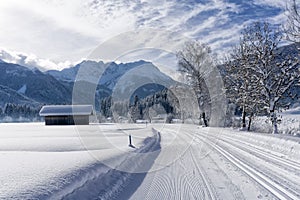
x=191, y=162
x=39, y=161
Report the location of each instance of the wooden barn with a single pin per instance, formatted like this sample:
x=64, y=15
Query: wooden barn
x=67, y=114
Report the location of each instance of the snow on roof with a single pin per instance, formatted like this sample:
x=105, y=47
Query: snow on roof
x=62, y=110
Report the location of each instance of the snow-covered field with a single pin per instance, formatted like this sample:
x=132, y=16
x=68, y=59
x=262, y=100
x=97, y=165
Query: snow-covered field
x=178, y=161
x=41, y=162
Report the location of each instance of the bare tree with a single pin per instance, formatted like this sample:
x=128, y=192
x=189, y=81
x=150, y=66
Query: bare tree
x=194, y=61
x=242, y=86
x=293, y=25
x=275, y=72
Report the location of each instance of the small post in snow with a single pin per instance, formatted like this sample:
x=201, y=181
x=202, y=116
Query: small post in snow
x=130, y=144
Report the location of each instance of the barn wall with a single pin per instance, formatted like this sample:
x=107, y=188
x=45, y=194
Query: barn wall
x=82, y=120
x=67, y=120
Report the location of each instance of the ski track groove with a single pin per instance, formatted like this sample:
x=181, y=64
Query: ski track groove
x=192, y=184
x=275, y=188
x=271, y=173
x=208, y=187
x=288, y=164
x=234, y=190
x=198, y=185
x=182, y=185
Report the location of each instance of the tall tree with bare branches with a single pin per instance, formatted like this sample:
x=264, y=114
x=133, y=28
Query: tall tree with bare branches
x=194, y=61
x=264, y=75
x=241, y=84
x=293, y=25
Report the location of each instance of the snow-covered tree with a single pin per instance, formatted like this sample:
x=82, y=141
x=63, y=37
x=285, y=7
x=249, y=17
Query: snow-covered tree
x=273, y=73
x=241, y=84
x=136, y=110
x=194, y=60
x=105, y=106
x=292, y=27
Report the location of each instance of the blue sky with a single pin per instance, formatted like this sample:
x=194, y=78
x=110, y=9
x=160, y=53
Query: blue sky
x=57, y=33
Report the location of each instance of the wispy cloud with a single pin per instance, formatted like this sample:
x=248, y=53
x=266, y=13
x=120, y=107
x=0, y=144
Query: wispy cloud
x=271, y=3
x=61, y=30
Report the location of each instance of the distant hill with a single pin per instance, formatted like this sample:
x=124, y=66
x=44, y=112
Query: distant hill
x=34, y=84
x=8, y=95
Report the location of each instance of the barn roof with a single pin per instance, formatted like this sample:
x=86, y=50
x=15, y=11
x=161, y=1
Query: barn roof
x=62, y=110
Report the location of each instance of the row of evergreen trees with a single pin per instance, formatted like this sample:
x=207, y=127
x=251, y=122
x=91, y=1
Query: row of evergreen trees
x=160, y=103
x=16, y=111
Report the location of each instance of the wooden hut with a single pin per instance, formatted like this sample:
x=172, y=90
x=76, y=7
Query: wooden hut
x=67, y=114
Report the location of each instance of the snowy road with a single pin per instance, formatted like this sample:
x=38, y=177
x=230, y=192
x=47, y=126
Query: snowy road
x=219, y=164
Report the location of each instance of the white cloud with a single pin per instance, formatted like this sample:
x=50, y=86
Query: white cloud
x=63, y=30
x=32, y=61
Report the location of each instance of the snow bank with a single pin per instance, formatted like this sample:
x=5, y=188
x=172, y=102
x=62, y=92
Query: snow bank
x=103, y=182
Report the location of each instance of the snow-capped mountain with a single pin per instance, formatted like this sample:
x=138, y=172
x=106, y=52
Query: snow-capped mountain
x=8, y=95
x=106, y=74
x=33, y=84
x=115, y=78
x=21, y=85
x=139, y=79
x=69, y=74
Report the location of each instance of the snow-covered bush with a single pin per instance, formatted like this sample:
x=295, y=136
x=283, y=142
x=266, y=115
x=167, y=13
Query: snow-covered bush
x=262, y=125
x=289, y=124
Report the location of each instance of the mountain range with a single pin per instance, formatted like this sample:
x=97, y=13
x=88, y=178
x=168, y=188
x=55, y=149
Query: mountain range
x=29, y=86
x=21, y=85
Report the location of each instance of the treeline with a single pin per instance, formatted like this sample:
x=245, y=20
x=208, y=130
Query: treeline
x=162, y=103
x=15, y=112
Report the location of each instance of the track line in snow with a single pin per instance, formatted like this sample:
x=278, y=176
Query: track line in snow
x=273, y=187
x=270, y=169
x=193, y=184
x=179, y=180
x=208, y=187
x=111, y=183
x=267, y=155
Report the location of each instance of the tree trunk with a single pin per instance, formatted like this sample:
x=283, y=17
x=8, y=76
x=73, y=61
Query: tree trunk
x=244, y=118
x=275, y=128
x=274, y=122
x=204, y=119
x=250, y=121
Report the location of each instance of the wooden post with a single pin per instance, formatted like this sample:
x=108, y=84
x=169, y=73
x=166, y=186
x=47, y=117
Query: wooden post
x=130, y=144
x=204, y=119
